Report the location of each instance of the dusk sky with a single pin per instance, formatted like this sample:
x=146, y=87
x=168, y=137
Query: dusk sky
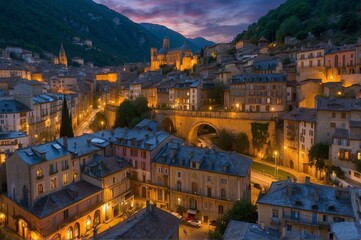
x=216, y=20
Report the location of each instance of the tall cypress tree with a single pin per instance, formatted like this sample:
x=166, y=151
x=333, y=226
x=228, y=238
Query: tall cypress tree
x=66, y=127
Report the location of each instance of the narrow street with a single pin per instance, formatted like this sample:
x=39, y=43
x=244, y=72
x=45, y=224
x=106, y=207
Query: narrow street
x=83, y=127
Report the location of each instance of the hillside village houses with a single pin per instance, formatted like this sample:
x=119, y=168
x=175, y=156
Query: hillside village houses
x=68, y=186
x=311, y=92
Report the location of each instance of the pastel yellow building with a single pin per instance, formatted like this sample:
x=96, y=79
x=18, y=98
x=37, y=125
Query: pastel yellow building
x=111, y=77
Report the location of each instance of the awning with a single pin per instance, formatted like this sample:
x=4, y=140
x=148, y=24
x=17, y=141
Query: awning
x=190, y=211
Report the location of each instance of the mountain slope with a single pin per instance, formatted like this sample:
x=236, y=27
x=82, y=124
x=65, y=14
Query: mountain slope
x=176, y=39
x=339, y=20
x=42, y=25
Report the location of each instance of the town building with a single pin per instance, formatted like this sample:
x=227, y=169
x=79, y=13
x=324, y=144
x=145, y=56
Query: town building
x=306, y=208
x=10, y=141
x=258, y=93
x=203, y=182
x=311, y=64
x=299, y=128
x=14, y=116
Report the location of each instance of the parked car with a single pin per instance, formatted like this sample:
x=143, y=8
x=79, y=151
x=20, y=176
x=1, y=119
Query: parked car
x=189, y=218
x=195, y=222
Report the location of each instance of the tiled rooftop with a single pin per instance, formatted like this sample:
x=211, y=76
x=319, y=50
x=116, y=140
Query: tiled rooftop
x=176, y=154
x=63, y=198
x=309, y=197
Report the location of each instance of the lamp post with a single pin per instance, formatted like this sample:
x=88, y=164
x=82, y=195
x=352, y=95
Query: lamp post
x=276, y=172
x=102, y=123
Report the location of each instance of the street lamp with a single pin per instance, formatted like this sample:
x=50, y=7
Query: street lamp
x=102, y=123
x=276, y=170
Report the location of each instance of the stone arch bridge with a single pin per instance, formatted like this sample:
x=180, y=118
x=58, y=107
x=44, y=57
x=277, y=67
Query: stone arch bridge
x=185, y=124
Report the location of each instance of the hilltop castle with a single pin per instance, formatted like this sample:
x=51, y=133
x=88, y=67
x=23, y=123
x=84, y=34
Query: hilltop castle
x=182, y=58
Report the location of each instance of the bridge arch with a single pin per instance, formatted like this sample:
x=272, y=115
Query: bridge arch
x=168, y=125
x=199, y=126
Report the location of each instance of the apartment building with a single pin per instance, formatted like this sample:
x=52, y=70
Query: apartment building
x=311, y=64
x=14, y=116
x=203, y=182
x=137, y=146
x=258, y=93
x=299, y=135
x=305, y=208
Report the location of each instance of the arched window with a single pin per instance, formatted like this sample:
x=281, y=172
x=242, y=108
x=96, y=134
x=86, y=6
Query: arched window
x=39, y=172
x=336, y=61
x=88, y=223
x=76, y=230
x=96, y=217
x=179, y=185
x=69, y=233
x=56, y=237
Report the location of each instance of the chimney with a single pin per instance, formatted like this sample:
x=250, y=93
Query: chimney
x=307, y=180
x=65, y=142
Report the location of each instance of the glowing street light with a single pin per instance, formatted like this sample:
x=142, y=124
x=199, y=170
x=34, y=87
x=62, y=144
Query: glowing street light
x=102, y=123
x=276, y=170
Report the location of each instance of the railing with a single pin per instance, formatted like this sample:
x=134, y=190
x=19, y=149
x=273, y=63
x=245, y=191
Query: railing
x=221, y=114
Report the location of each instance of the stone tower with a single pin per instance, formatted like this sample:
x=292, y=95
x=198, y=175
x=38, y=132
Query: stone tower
x=62, y=56
x=166, y=43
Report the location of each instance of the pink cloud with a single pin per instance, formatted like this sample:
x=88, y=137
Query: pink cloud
x=216, y=20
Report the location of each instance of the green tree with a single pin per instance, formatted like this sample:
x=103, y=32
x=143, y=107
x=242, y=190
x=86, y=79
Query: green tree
x=318, y=156
x=225, y=140
x=66, y=126
x=240, y=143
x=241, y=211
x=216, y=94
x=260, y=135
x=131, y=112
x=288, y=27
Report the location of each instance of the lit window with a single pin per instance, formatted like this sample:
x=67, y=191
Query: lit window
x=39, y=172
x=53, y=183
x=66, y=178
x=40, y=188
